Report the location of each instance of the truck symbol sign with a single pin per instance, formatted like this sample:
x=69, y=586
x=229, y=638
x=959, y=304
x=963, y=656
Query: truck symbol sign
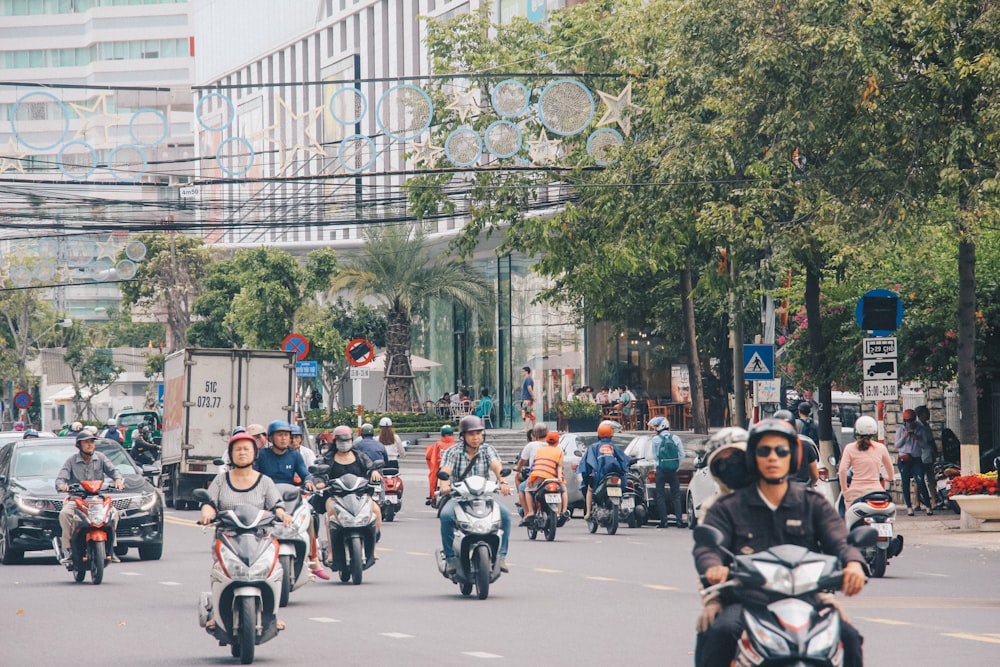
x=886, y=368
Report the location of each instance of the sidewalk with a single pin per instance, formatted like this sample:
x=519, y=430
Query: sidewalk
x=942, y=530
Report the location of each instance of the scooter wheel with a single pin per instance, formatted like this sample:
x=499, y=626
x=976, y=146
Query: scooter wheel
x=466, y=589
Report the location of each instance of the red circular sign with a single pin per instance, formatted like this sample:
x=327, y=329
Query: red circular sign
x=296, y=343
x=22, y=399
x=360, y=352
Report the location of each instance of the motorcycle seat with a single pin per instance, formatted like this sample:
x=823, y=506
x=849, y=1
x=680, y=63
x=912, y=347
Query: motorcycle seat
x=874, y=495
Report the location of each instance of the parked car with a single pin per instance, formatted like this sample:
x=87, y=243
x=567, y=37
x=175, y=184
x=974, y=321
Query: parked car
x=641, y=447
x=574, y=445
x=30, y=504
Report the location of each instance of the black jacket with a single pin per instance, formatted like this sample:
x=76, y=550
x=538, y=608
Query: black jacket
x=804, y=518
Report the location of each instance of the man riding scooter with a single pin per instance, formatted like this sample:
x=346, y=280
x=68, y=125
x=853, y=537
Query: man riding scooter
x=601, y=458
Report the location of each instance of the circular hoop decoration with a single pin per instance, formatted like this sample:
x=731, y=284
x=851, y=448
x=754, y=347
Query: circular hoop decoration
x=602, y=144
x=20, y=276
x=404, y=112
x=69, y=173
x=503, y=139
x=100, y=270
x=135, y=250
x=229, y=106
x=463, y=147
x=79, y=252
x=47, y=96
x=125, y=269
x=127, y=166
x=232, y=150
x=48, y=248
x=356, y=102
x=163, y=123
x=510, y=98
x=566, y=107
x=356, y=153
x=44, y=271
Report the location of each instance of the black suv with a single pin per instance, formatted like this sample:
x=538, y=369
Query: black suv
x=30, y=504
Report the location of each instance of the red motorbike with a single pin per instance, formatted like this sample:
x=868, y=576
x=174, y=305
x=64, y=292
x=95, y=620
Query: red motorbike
x=391, y=498
x=93, y=532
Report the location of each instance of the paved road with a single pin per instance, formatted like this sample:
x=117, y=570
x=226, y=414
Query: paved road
x=600, y=600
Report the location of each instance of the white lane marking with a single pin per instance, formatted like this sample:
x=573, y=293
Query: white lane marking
x=417, y=553
x=481, y=654
x=130, y=574
x=170, y=583
x=324, y=619
x=396, y=635
x=547, y=570
x=884, y=621
x=659, y=587
x=934, y=574
x=601, y=578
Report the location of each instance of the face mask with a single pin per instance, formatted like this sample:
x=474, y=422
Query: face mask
x=344, y=445
x=732, y=472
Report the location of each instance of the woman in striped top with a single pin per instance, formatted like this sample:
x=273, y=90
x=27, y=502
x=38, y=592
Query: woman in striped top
x=243, y=485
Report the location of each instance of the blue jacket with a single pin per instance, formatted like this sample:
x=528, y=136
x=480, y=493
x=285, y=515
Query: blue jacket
x=373, y=449
x=282, y=469
x=601, y=458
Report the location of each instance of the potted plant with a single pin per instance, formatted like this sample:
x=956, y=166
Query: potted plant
x=977, y=495
x=578, y=416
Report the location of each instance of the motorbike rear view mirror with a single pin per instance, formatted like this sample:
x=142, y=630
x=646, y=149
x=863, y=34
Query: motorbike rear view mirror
x=291, y=495
x=863, y=536
x=390, y=470
x=443, y=475
x=708, y=536
x=504, y=472
x=578, y=452
x=201, y=495
x=218, y=462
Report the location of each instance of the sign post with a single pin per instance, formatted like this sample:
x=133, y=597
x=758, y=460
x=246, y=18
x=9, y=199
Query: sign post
x=360, y=353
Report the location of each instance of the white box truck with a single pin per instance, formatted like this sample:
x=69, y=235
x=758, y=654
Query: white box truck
x=207, y=393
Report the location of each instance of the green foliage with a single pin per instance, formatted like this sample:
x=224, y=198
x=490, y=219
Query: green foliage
x=578, y=409
x=402, y=422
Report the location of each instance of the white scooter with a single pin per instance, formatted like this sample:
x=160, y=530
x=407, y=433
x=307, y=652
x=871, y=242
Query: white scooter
x=877, y=510
x=246, y=580
x=476, y=542
x=293, y=541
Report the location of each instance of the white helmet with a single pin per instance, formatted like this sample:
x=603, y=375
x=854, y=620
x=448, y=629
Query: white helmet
x=865, y=426
x=112, y=422
x=659, y=424
x=385, y=421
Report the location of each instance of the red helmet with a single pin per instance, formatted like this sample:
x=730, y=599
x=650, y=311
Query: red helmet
x=242, y=436
x=324, y=438
x=552, y=438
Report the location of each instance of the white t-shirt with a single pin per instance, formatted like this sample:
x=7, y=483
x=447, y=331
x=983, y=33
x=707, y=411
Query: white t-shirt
x=308, y=455
x=528, y=453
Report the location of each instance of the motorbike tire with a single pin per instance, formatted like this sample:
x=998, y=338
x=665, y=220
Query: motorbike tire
x=592, y=524
x=465, y=588
x=612, y=527
x=345, y=575
x=879, y=563
x=357, y=562
x=389, y=513
x=532, y=529
x=640, y=516
x=631, y=521
x=79, y=573
x=247, y=630
x=954, y=507
x=97, y=555
x=550, y=527
x=692, y=515
x=481, y=566
x=8, y=554
x=286, y=579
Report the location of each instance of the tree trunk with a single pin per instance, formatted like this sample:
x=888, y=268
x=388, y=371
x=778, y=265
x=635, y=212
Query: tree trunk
x=967, y=394
x=817, y=347
x=398, y=374
x=700, y=424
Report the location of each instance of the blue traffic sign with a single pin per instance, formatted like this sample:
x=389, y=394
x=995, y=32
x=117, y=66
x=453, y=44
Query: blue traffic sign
x=879, y=312
x=307, y=369
x=22, y=399
x=758, y=362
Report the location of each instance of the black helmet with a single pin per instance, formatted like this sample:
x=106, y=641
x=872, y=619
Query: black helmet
x=778, y=427
x=470, y=423
x=84, y=435
x=367, y=430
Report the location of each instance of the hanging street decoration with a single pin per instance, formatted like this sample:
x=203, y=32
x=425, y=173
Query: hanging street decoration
x=617, y=108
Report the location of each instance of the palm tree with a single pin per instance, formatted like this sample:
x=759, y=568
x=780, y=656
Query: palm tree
x=397, y=267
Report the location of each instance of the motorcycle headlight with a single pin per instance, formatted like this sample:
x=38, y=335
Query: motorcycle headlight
x=97, y=513
x=774, y=643
x=231, y=563
x=262, y=567
x=821, y=643
x=30, y=505
x=478, y=526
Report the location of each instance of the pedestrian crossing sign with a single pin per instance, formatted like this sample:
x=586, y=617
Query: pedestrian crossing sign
x=758, y=362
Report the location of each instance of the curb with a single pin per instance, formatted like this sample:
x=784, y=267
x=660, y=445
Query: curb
x=943, y=530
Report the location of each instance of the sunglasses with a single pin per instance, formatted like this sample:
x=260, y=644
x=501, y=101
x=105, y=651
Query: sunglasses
x=763, y=451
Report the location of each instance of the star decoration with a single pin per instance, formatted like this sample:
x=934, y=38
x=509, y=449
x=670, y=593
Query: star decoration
x=93, y=121
x=464, y=104
x=12, y=159
x=107, y=248
x=426, y=152
x=543, y=150
x=302, y=133
x=616, y=107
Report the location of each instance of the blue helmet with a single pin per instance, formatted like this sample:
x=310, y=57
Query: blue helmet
x=296, y=429
x=278, y=425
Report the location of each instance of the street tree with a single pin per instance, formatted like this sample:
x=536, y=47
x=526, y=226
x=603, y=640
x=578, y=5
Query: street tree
x=397, y=267
x=92, y=368
x=168, y=281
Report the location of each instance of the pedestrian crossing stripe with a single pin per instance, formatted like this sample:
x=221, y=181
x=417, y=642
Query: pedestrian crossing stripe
x=755, y=365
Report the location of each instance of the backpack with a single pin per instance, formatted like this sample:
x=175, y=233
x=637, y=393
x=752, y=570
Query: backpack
x=668, y=454
x=807, y=427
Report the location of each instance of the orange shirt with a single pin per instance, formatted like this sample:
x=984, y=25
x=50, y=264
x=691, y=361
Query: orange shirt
x=547, y=463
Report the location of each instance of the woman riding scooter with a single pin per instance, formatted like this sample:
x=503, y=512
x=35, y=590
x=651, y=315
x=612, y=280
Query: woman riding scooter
x=868, y=460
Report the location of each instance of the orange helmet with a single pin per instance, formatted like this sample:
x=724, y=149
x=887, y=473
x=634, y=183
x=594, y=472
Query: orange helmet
x=605, y=431
x=552, y=438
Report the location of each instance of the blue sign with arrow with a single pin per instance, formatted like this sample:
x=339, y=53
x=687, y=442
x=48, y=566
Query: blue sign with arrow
x=758, y=362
